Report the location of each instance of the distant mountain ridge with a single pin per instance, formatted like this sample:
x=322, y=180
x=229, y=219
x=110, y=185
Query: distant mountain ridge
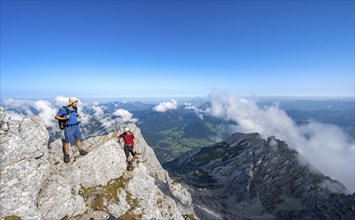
x=247, y=177
x=179, y=130
x=242, y=177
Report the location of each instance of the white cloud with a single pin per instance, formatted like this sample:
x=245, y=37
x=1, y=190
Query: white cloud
x=98, y=112
x=165, y=106
x=17, y=109
x=22, y=107
x=199, y=112
x=16, y=103
x=99, y=115
x=61, y=101
x=47, y=112
x=124, y=116
x=325, y=146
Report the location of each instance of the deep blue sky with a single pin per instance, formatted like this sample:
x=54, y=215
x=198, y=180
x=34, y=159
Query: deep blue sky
x=176, y=48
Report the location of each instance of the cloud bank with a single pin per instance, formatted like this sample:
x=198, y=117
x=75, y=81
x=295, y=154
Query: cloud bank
x=90, y=114
x=199, y=112
x=325, y=146
x=17, y=109
x=124, y=116
x=46, y=112
x=165, y=106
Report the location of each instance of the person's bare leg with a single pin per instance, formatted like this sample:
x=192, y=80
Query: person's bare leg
x=66, y=152
x=66, y=147
x=78, y=144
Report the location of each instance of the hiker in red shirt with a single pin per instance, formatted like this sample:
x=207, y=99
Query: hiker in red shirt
x=128, y=138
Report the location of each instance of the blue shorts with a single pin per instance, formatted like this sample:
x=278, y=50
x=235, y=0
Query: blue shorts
x=71, y=133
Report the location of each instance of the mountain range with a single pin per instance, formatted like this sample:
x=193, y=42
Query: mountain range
x=175, y=131
x=243, y=176
x=247, y=177
x=190, y=125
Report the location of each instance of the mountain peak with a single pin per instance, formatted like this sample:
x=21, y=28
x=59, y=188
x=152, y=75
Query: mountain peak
x=37, y=184
x=246, y=176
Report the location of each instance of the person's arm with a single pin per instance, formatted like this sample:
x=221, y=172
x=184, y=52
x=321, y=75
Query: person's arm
x=117, y=137
x=61, y=112
x=61, y=118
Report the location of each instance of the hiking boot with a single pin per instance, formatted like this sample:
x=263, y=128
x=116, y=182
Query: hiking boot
x=82, y=152
x=66, y=158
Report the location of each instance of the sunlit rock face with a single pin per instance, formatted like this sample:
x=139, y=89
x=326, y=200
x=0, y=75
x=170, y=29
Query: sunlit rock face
x=24, y=165
x=36, y=183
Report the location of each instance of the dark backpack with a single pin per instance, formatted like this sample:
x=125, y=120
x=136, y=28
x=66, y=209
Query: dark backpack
x=62, y=123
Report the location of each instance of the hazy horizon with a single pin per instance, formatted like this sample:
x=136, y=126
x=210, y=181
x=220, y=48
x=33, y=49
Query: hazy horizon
x=187, y=97
x=326, y=145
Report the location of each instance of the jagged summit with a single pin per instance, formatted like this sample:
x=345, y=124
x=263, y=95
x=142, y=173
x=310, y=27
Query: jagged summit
x=247, y=177
x=36, y=183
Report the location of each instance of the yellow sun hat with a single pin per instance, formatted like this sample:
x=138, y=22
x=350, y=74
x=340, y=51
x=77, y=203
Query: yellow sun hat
x=72, y=100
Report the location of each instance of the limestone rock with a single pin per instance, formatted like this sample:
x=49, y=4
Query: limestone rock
x=24, y=165
x=152, y=202
x=58, y=197
x=179, y=192
x=37, y=184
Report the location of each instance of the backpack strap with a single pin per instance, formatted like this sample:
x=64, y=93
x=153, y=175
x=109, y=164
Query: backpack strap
x=67, y=109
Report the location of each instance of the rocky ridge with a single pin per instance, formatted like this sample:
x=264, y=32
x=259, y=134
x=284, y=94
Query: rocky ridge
x=248, y=177
x=36, y=183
